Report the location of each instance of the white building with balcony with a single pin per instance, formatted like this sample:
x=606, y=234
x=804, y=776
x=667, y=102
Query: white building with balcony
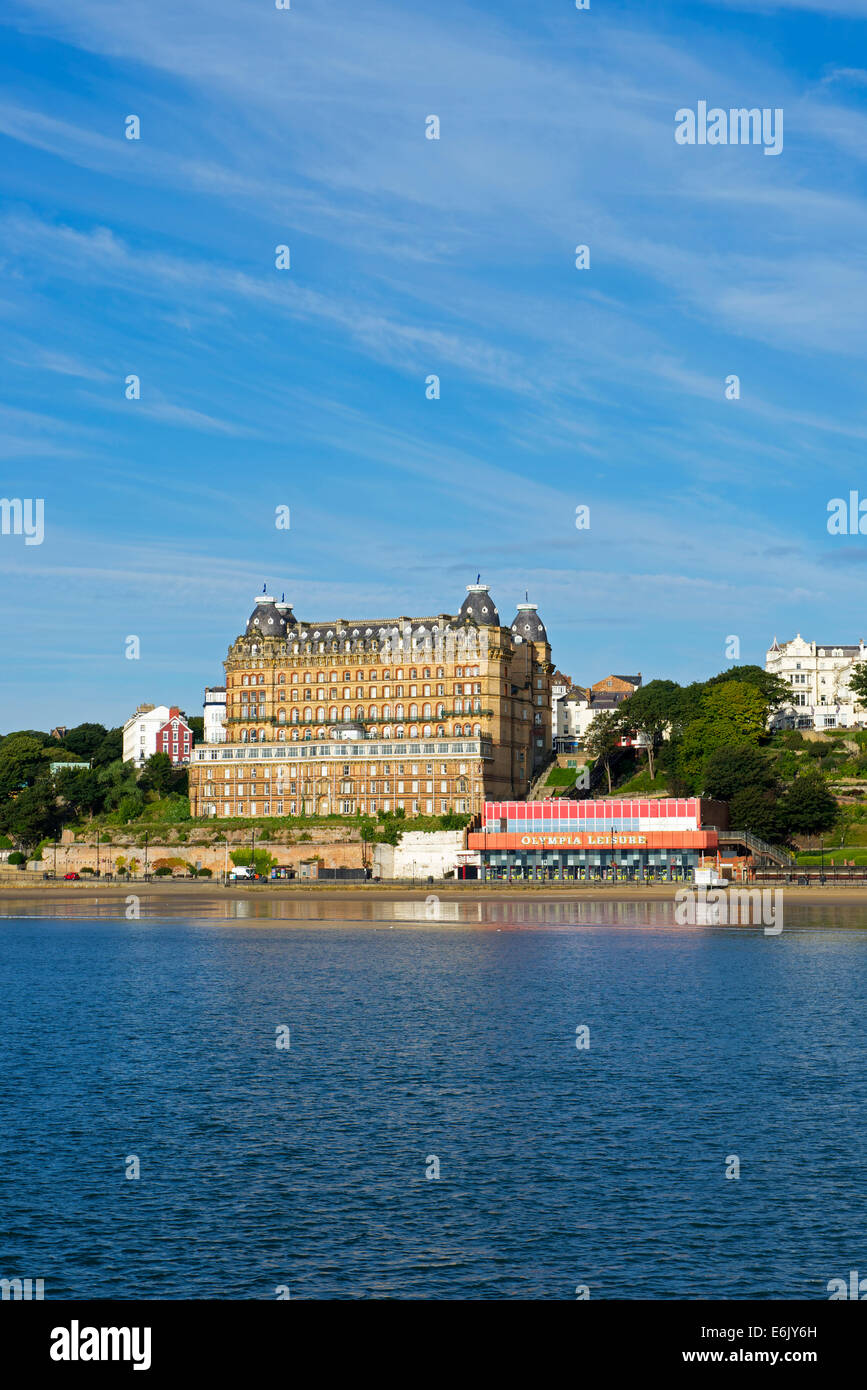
x=215, y=714
x=818, y=677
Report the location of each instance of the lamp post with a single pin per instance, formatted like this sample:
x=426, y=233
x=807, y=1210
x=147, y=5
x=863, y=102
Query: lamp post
x=55, y=856
x=146, y=856
x=97, y=851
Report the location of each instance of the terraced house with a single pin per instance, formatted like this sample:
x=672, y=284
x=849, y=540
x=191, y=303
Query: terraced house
x=426, y=714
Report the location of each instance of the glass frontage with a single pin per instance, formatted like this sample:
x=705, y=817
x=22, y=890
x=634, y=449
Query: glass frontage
x=617, y=866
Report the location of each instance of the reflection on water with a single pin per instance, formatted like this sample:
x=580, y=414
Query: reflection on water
x=429, y=910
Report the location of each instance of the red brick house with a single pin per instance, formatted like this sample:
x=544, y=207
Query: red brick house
x=174, y=737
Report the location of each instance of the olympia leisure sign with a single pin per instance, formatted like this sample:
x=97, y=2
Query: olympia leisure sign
x=581, y=839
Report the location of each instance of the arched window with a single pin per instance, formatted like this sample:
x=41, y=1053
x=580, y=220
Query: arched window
x=261, y=735
x=281, y=736
x=281, y=679
x=386, y=711
x=359, y=711
x=386, y=733
x=243, y=735
x=332, y=713
x=261, y=680
x=294, y=735
x=281, y=717
x=413, y=711
x=413, y=733
x=426, y=731
x=441, y=733
x=477, y=730
x=441, y=709
x=320, y=713
x=426, y=711
x=308, y=715
x=457, y=731
x=398, y=713
x=294, y=716
x=347, y=713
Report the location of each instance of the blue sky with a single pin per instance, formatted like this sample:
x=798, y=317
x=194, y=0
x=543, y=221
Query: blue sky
x=412, y=257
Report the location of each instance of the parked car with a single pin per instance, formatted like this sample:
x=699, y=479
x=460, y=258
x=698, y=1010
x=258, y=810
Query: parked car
x=72, y=875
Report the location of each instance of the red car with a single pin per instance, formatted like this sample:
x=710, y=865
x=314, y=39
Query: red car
x=72, y=876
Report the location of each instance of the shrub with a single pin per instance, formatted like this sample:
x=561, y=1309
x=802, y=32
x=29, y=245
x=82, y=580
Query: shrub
x=87, y=869
x=16, y=857
x=205, y=873
x=162, y=872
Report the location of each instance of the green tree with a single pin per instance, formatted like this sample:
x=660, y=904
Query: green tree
x=602, y=739
x=79, y=789
x=757, y=811
x=809, y=807
x=773, y=689
x=157, y=774
x=84, y=739
x=729, y=769
x=116, y=781
x=197, y=727
x=21, y=763
x=858, y=682
x=738, y=704
x=650, y=711
x=31, y=816
x=110, y=750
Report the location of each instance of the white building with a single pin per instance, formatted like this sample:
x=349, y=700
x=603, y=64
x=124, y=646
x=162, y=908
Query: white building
x=140, y=733
x=215, y=714
x=818, y=676
x=422, y=854
x=560, y=684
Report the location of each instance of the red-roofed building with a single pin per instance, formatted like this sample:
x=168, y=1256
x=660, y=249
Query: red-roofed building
x=175, y=737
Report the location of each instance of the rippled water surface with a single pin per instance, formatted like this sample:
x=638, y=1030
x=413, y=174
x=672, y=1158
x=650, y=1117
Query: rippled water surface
x=413, y=1038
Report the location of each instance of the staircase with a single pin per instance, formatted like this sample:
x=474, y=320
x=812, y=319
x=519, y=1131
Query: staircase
x=760, y=849
x=535, y=792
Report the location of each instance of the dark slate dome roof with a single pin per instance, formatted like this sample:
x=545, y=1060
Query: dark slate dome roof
x=266, y=618
x=479, y=607
x=285, y=611
x=528, y=624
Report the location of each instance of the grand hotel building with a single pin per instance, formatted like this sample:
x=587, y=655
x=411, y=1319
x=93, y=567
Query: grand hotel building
x=426, y=714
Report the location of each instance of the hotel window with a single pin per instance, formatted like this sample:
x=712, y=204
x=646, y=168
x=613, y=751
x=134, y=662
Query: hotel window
x=400, y=787
x=444, y=786
x=373, y=805
x=430, y=807
x=415, y=786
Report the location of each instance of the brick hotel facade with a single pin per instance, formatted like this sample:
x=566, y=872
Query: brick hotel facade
x=424, y=714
